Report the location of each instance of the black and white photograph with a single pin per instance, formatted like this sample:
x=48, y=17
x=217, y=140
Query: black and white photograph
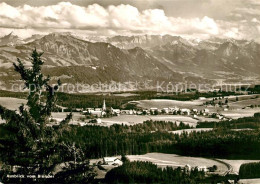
x=130, y=91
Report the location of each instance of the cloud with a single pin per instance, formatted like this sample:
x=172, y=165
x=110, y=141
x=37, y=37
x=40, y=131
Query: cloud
x=120, y=19
x=65, y=15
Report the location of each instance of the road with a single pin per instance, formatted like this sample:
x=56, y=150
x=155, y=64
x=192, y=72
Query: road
x=230, y=168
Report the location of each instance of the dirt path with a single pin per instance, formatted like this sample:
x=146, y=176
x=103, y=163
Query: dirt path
x=230, y=168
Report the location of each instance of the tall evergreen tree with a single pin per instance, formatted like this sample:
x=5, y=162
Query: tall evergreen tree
x=29, y=144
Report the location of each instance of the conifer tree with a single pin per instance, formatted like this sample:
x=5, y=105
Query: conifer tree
x=30, y=143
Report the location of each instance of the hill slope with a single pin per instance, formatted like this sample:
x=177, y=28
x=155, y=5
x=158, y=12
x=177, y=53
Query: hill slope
x=136, y=58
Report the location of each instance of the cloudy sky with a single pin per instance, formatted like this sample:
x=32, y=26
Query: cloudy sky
x=238, y=19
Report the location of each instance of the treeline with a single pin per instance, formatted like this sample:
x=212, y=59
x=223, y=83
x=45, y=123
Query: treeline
x=94, y=101
x=91, y=100
x=220, y=143
x=255, y=90
x=112, y=100
x=146, y=172
x=164, y=126
x=249, y=170
x=97, y=141
x=12, y=94
x=72, y=101
x=245, y=122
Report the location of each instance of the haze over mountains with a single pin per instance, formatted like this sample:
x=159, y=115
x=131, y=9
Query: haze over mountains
x=135, y=58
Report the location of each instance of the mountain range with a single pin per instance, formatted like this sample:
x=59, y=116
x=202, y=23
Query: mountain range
x=88, y=60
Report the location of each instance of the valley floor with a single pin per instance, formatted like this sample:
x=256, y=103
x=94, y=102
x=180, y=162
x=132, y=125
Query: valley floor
x=237, y=109
x=249, y=181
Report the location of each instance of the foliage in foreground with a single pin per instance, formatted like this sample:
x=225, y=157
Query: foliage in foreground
x=28, y=143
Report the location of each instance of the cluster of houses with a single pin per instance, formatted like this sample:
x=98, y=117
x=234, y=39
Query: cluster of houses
x=176, y=110
x=205, y=169
x=112, y=161
x=199, y=168
x=102, y=112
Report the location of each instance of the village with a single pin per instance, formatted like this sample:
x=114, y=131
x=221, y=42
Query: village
x=96, y=114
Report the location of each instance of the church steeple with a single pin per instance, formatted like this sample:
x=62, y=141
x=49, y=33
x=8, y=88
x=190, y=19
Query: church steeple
x=104, y=106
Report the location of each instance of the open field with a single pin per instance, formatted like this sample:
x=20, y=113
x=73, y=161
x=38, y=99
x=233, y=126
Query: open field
x=239, y=108
x=130, y=119
x=237, y=163
x=191, y=130
x=164, y=160
x=244, y=103
x=249, y=181
x=135, y=119
x=173, y=160
x=126, y=94
x=161, y=103
x=175, y=118
x=239, y=113
x=147, y=104
x=11, y=103
x=124, y=119
x=61, y=115
x=232, y=98
x=243, y=97
x=235, y=106
x=206, y=119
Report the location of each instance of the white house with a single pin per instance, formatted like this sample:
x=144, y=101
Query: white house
x=88, y=110
x=202, y=98
x=195, y=111
x=139, y=112
x=185, y=111
x=99, y=120
x=219, y=116
x=82, y=124
x=112, y=161
x=206, y=110
x=129, y=112
x=153, y=109
x=174, y=109
x=116, y=111
x=98, y=112
x=202, y=168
